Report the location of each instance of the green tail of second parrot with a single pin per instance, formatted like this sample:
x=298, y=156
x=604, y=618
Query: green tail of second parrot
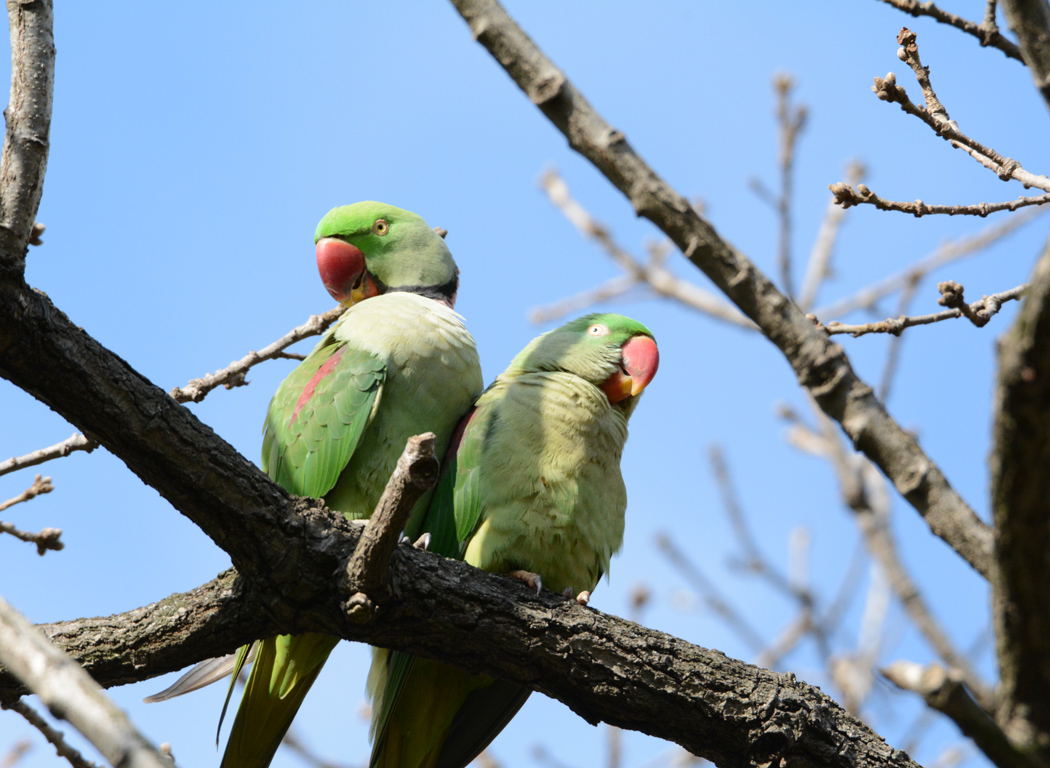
x=284, y=669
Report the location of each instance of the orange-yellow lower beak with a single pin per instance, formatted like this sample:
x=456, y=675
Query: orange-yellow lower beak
x=639, y=358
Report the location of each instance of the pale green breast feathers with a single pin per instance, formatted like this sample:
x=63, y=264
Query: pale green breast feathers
x=554, y=495
x=392, y=367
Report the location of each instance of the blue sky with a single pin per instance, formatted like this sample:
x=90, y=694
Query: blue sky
x=194, y=149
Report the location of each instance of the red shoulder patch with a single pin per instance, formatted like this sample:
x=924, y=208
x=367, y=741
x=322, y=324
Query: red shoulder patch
x=311, y=386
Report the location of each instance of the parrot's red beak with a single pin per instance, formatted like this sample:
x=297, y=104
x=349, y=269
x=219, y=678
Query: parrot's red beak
x=342, y=268
x=639, y=358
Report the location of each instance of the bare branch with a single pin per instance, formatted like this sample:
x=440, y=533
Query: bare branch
x=818, y=269
x=233, y=375
x=28, y=121
x=847, y=197
x=950, y=252
x=822, y=367
x=46, y=539
x=987, y=32
x=607, y=291
x=604, y=668
x=55, y=737
x=1020, y=488
x=944, y=691
x=58, y=450
x=979, y=313
x=863, y=492
x=416, y=473
x=17, y=751
x=791, y=121
x=70, y=694
x=40, y=485
x=710, y=594
x=889, y=368
x=653, y=274
x=1030, y=21
x=936, y=117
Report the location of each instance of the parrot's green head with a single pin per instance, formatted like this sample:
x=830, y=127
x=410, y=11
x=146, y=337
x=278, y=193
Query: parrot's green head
x=614, y=353
x=370, y=248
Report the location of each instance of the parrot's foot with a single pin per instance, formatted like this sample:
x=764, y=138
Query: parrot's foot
x=423, y=542
x=534, y=580
x=583, y=598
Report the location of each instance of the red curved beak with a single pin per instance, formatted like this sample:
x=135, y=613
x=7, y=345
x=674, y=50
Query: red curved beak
x=639, y=358
x=342, y=268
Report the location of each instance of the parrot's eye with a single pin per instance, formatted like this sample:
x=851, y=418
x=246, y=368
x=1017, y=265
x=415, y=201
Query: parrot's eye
x=598, y=330
x=381, y=227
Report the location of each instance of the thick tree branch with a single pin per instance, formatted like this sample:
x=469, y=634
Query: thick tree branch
x=70, y=694
x=944, y=691
x=605, y=668
x=1020, y=490
x=821, y=366
x=28, y=126
x=1030, y=21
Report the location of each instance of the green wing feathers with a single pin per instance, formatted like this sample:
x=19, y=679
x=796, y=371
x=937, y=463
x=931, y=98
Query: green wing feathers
x=317, y=418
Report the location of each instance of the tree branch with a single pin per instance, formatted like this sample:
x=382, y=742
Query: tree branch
x=58, y=450
x=987, y=32
x=233, y=375
x=604, y=668
x=979, y=313
x=70, y=694
x=847, y=197
x=936, y=117
x=944, y=691
x=1030, y=21
x=28, y=127
x=821, y=366
x=1020, y=489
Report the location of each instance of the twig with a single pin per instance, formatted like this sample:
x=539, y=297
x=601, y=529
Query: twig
x=196, y=390
x=847, y=197
x=754, y=560
x=28, y=119
x=416, y=473
x=55, y=737
x=607, y=291
x=16, y=753
x=70, y=694
x=818, y=268
x=944, y=691
x=936, y=117
x=821, y=366
x=653, y=274
x=233, y=375
x=291, y=740
x=987, y=32
x=66, y=447
x=979, y=313
x=710, y=594
x=889, y=368
x=864, y=492
x=945, y=254
x=40, y=485
x=791, y=122
x=46, y=539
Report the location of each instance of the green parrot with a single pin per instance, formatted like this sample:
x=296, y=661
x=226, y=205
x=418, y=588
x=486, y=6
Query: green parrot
x=396, y=365
x=531, y=488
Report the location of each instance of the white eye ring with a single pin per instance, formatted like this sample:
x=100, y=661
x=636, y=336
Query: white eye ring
x=598, y=330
